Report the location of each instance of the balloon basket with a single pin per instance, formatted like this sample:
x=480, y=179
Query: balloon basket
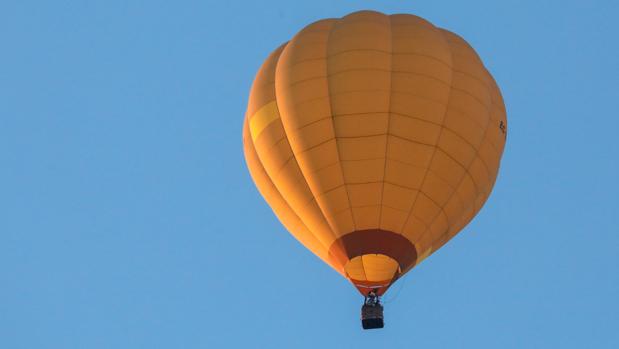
x=372, y=313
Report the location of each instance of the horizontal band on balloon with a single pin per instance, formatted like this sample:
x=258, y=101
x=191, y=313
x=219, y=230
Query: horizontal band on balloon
x=263, y=118
x=373, y=241
x=379, y=287
x=378, y=284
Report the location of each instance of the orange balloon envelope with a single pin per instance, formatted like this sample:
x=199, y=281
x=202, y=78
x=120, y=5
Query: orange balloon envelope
x=375, y=139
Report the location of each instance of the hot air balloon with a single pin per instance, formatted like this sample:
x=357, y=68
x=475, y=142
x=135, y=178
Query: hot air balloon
x=375, y=139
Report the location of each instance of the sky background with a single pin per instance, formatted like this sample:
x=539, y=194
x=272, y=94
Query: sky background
x=128, y=218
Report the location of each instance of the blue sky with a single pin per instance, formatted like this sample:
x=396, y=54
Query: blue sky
x=128, y=218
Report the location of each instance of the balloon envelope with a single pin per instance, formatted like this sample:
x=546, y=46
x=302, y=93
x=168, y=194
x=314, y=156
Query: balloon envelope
x=375, y=139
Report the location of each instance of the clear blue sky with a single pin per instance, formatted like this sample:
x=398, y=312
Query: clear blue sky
x=128, y=218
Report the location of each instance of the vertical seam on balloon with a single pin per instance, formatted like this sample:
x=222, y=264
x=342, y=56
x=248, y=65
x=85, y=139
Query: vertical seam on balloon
x=382, y=191
x=325, y=248
x=479, y=191
x=273, y=182
x=272, y=179
x=455, y=193
x=339, y=156
x=466, y=172
x=365, y=274
x=425, y=175
x=329, y=225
